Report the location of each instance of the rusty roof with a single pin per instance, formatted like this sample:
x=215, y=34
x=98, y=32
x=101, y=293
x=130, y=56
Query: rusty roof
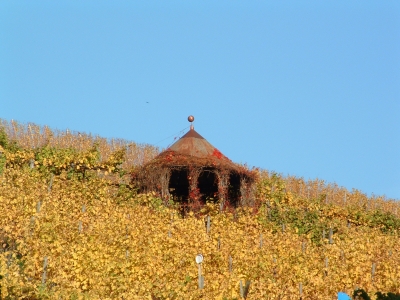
x=193, y=144
x=192, y=150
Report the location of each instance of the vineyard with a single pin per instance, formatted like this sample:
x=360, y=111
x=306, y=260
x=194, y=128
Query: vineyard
x=73, y=227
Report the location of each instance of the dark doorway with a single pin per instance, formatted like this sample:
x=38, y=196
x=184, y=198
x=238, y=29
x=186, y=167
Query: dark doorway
x=234, y=189
x=208, y=186
x=179, y=185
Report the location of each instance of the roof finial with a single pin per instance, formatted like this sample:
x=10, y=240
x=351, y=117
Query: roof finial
x=191, y=119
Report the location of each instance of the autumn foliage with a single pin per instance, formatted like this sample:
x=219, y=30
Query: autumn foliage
x=71, y=227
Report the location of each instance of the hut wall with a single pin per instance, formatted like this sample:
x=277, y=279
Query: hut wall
x=165, y=176
x=223, y=182
x=194, y=192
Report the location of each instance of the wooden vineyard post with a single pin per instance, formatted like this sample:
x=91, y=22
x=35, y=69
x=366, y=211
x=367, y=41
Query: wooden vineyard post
x=230, y=263
x=170, y=226
x=199, y=260
x=201, y=279
x=33, y=218
x=44, y=275
x=208, y=226
x=8, y=263
x=9, y=258
x=80, y=227
x=326, y=266
x=127, y=254
x=301, y=290
x=32, y=225
x=330, y=236
x=50, y=183
x=342, y=255
x=80, y=224
x=244, y=290
x=373, y=269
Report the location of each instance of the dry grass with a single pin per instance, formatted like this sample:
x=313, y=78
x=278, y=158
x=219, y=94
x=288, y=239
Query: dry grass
x=33, y=136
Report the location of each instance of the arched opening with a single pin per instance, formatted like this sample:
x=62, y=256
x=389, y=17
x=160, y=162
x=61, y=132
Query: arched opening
x=208, y=185
x=234, y=189
x=179, y=185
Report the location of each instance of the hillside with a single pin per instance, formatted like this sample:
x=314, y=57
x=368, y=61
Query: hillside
x=72, y=227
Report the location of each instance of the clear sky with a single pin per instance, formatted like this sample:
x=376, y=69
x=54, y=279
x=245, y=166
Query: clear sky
x=307, y=88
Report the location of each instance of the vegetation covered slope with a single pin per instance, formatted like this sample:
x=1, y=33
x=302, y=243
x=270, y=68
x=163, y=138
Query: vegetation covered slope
x=71, y=227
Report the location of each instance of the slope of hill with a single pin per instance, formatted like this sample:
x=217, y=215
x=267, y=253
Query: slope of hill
x=71, y=227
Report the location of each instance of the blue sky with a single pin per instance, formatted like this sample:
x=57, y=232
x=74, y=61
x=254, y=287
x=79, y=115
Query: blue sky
x=307, y=88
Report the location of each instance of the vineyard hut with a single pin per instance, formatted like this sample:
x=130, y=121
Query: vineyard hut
x=194, y=171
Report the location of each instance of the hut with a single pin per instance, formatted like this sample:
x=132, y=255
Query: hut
x=194, y=171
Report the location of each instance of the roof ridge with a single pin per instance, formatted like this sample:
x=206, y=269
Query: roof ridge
x=192, y=133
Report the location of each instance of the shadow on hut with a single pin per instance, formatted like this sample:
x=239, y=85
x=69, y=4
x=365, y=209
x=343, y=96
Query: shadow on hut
x=192, y=172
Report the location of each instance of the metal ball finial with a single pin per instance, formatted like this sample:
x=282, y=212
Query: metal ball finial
x=190, y=119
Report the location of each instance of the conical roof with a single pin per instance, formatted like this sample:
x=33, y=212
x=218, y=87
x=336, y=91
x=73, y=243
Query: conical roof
x=193, y=152
x=193, y=144
x=192, y=149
